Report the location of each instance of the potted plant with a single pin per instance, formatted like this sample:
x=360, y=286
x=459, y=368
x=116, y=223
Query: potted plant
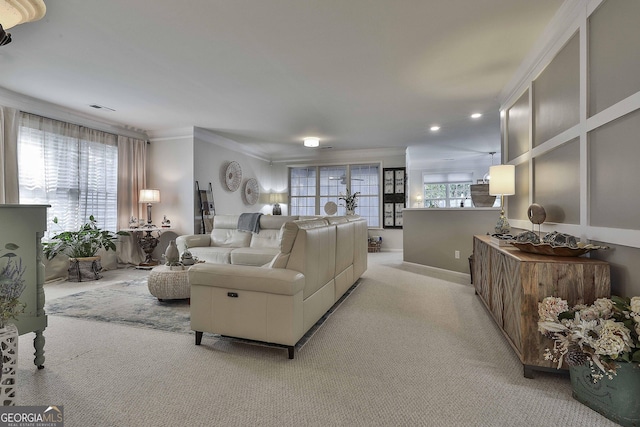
x=350, y=201
x=600, y=345
x=81, y=247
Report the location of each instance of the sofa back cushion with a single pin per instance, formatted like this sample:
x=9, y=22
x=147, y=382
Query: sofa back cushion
x=270, y=231
x=312, y=252
x=225, y=233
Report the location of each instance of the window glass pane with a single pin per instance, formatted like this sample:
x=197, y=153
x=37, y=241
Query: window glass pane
x=332, y=182
x=71, y=168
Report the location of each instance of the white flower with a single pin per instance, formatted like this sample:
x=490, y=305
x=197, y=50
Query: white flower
x=550, y=307
x=614, y=339
x=604, y=307
x=635, y=304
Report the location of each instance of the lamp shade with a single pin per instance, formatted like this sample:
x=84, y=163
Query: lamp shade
x=277, y=198
x=149, y=196
x=15, y=12
x=503, y=180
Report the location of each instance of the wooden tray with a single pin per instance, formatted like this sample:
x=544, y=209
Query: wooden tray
x=547, y=249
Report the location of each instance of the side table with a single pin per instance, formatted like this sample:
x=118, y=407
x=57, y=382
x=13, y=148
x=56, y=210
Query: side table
x=147, y=241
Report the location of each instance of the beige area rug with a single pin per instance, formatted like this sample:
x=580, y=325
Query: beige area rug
x=403, y=350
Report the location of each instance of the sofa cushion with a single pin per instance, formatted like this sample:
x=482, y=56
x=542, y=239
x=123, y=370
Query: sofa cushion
x=226, y=238
x=253, y=256
x=212, y=254
x=268, y=238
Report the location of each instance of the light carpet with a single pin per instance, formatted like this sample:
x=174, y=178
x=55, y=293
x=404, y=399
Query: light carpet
x=404, y=349
x=127, y=303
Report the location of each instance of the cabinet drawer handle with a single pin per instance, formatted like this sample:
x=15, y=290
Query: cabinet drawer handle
x=232, y=294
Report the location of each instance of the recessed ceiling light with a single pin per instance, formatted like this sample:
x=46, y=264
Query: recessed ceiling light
x=434, y=128
x=476, y=115
x=311, y=141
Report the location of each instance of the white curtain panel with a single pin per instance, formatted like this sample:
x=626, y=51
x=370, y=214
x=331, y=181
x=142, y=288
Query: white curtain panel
x=9, y=192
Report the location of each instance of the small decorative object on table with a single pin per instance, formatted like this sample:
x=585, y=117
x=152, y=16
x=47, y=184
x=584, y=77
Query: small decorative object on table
x=172, y=255
x=12, y=285
x=166, y=223
x=599, y=343
x=553, y=243
x=350, y=201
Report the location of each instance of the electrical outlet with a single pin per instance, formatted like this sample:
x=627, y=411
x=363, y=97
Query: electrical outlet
x=457, y=254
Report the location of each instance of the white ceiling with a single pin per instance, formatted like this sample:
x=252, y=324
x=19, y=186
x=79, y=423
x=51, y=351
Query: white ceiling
x=265, y=73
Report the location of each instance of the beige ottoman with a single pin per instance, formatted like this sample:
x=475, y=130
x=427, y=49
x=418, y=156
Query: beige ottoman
x=166, y=282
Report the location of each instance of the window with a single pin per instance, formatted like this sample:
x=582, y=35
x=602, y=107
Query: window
x=71, y=168
x=447, y=190
x=312, y=187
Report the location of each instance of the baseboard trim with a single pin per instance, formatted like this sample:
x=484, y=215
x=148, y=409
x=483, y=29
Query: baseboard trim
x=440, y=273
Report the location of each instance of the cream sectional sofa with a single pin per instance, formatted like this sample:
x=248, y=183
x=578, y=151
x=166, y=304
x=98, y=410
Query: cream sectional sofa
x=317, y=262
x=228, y=245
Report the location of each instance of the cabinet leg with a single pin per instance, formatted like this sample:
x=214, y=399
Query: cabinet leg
x=38, y=344
x=528, y=371
x=198, y=338
x=291, y=350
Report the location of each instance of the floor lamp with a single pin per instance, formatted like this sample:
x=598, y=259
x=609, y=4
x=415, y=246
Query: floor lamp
x=502, y=183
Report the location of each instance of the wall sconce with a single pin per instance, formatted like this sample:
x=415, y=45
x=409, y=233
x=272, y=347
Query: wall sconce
x=275, y=199
x=502, y=183
x=149, y=196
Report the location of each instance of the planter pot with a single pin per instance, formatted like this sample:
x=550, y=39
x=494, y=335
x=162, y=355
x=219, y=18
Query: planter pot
x=84, y=269
x=480, y=196
x=617, y=399
x=8, y=364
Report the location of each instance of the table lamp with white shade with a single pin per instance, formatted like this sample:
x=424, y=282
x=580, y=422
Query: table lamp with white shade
x=149, y=196
x=275, y=199
x=502, y=183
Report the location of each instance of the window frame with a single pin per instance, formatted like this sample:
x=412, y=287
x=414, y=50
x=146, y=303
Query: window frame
x=321, y=198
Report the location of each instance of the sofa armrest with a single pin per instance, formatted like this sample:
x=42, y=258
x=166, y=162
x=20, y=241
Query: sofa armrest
x=248, y=278
x=192, y=241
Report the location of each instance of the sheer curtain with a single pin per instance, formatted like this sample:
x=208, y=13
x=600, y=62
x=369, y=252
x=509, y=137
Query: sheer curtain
x=132, y=162
x=9, y=192
x=71, y=168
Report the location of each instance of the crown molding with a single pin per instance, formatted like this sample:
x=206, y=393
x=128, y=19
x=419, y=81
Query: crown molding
x=50, y=110
x=221, y=141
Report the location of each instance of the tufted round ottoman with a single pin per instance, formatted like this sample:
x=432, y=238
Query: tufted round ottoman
x=165, y=283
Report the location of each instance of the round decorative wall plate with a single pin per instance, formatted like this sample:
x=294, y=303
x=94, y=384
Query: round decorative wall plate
x=251, y=191
x=233, y=176
x=330, y=208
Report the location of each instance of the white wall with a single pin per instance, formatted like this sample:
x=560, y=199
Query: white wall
x=170, y=170
x=212, y=155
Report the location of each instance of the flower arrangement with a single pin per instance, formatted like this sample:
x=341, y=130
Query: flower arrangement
x=600, y=335
x=11, y=285
x=350, y=200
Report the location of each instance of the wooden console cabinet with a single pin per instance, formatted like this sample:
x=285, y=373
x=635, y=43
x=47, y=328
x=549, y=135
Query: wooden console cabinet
x=511, y=283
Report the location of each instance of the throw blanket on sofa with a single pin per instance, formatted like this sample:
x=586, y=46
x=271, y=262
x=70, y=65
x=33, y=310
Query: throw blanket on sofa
x=249, y=222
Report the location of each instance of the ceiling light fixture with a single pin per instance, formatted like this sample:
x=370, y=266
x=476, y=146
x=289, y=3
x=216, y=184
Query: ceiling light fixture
x=311, y=141
x=15, y=12
x=434, y=128
x=476, y=115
